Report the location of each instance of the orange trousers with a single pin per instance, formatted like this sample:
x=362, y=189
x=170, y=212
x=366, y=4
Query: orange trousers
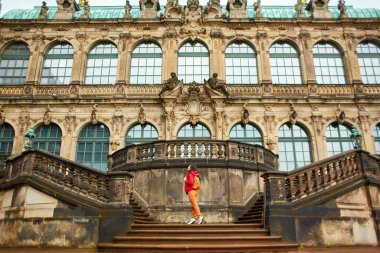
x=196, y=213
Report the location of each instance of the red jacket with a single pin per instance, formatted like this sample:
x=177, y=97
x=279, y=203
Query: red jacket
x=190, y=180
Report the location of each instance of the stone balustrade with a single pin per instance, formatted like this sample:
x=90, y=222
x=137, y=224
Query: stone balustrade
x=69, y=176
x=153, y=90
x=203, y=151
x=284, y=187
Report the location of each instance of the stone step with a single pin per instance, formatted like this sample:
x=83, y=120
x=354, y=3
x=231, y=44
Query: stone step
x=252, y=216
x=199, y=232
x=256, y=220
x=196, y=227
x=195, y=240
x=199, y=248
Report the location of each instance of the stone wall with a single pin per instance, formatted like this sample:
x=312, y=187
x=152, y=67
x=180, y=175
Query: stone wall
x=224, y=193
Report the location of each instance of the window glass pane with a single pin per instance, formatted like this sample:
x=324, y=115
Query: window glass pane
x=14, y=64
x=369, y=58
x=338, y=139
x=193, y=63
x=6, y=139
x=141, y=134
x=284, y=64
x=93, y=146
x=246, y=133
x=146, y=64
x=198, y=131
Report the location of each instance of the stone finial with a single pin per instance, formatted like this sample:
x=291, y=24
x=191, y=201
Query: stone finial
x=86, y=10
x=43, y=11
x=258, y=8
x=149, y=8
x=343, y=9
x=299, y=9
x=127, y=9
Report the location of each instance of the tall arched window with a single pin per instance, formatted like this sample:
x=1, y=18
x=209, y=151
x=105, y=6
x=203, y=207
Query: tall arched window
x=14, y=64
x=338, y=139
x=146, y=65
x=48, y=137
x=141, y=134
x=377, y=138
x=102, y=64
x=293, y=147
x=6, y=140
x=197, y=131
x=58, y=64
x=246, y=133
x=285, y=64
x=241, y=64
x=328, y=63
x=193, y=63
x=369, y=62
x=93, y=146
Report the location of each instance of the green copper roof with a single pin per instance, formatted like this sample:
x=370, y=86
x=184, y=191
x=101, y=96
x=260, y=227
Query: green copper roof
x=116, y=12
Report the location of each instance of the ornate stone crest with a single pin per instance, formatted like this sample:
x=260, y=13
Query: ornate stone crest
x=193, y=12
x=213, y=9
x=66, y=9
x=141, y=117
x=193, y=104
x=172, y=9
x=47, y=117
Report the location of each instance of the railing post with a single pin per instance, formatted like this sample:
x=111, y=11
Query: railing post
x=275, y=187
x=120, y=187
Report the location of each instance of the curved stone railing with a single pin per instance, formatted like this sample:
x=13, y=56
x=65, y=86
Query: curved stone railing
x=68, y=176
x=226, y=152
x=308, y=180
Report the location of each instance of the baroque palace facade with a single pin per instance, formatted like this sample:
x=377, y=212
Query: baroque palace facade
x=93, y=80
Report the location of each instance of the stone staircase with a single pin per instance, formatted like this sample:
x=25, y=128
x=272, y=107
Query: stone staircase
x=197, y=238
x=254, y=215
x=140, y=215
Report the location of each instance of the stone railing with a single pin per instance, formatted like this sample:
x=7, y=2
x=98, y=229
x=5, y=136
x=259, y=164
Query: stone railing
x=68, y=177
x=67, y=91
x=319, y=176
x=203, y=151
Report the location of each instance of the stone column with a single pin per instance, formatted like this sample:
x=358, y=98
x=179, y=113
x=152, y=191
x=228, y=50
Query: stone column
x=78, y=66
x=263, y=57
x=169, y=58
x=307, y=58
x=352, y=63
x=33, y=75
x=122, y=61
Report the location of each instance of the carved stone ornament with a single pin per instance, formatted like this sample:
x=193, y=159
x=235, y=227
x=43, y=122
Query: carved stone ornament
x=213, y=10
x=171, y=87
x=216, y=87
x=115, y=143
x=86, y=10
x=193, y=12
x=66, y=9
x=173, y=9
x=237, y=8
x=43, y=11
x=299, y=9
x=245, y=115
x=74, y=89
x=47, y=117
x=2, y=116
x=193, y=105
x=149, y=8
x=259, y=10
x=342, y=9
x=319, y=9
x=141, y=117
x=127, y=10
x=94, y=117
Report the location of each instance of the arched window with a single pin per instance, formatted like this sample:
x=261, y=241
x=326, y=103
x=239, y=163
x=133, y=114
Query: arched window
x=377, y=138
x=93, y=146
x=6, y=140
x=293, y=147
x=141, y=134
x=102, y=64
x=146, y=65
x=241, y=64
x=285, y=64
x=58, y=64
x=14, y=64
x=246, y=133
x=193, y=63
x=197, y=131
x=48, y=137
x=369, y=62
x=328, y=63
x=338, y=139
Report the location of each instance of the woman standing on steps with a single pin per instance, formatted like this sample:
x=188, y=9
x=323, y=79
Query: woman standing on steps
x=192, y=186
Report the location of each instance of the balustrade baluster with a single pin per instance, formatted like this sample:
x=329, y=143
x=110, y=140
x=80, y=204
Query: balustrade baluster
x=171, y=150
x=102, y=189
x=200, y=150
x=186, y=150
x=207, y=150
x=68, y=179
x=240, y=151
x=192, y=151
x=138, y=153
x=178, y=152
x=214, y=150
x=76, y=180
x=93, y=186
x=220, y=151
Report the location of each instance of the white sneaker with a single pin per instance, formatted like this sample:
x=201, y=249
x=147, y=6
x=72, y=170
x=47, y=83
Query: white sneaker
x=191, y=221
x=200, y=220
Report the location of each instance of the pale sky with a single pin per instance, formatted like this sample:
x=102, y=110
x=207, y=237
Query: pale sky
x=29, y=4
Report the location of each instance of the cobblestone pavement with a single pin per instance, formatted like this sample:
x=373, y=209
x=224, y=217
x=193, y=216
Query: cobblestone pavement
x=305, y=250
